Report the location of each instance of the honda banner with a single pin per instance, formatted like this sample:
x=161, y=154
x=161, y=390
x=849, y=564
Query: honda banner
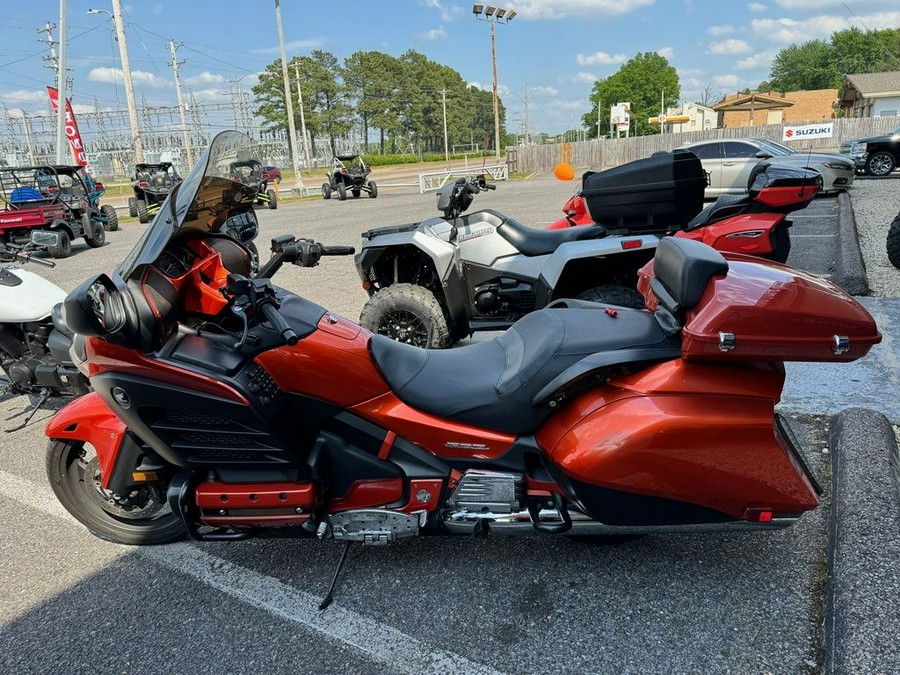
x=808, y=131
x=72, y=132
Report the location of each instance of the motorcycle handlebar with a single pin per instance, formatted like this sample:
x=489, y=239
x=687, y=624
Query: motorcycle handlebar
x=338, y=250
x=273, y=316
x=27, y=257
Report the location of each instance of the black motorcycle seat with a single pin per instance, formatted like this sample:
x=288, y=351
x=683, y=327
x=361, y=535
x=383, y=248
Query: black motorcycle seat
x=493, y=384
x=529, y=241
x=724, y=207
x=58, y=322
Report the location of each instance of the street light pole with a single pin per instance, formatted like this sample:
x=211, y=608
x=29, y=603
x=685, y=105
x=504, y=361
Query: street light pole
x=494, y=15
x=116, y=15
x=185, y=136
x=292, y=129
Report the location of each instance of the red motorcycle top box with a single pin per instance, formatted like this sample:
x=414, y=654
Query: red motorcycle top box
x=656, y=194
x=770, y=311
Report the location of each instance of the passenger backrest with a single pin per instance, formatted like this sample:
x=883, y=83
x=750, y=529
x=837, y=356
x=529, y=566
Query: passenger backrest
x=682, y=269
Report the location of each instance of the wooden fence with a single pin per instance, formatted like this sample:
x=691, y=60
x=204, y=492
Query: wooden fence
x=613, y=152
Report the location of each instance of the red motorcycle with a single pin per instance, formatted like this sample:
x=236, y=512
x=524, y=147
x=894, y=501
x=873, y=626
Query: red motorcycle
x=226, y=407
x=754, y=223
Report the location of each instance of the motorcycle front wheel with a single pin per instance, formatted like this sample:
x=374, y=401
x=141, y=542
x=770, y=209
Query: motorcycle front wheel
x=141, y=517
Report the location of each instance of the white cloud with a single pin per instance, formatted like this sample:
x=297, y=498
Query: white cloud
x=690, y=72
x=478, y=85
x=666, y=52
x=544, y=91
x=820, y=4
x=447, y=13
x=292, y=46
x=729, y=46
x=758, y=61
x=726, y=81
x=756, y=7
x=27, y=96
x=209, y=94
x=580, y=78
x=79, y=108
x=568, y=105
x=115, y=75
x=434, y=34
x=205, y=77
x=590, y=9
x=600, y=59
x=786, y=30
x=718, y=31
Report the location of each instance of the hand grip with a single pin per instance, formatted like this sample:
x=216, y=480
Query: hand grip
x=273, y=316
x=338, y=250
x=490, y=186
x=39, y=261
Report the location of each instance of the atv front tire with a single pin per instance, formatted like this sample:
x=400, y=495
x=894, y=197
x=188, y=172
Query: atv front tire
x=99, y=238
x=326, y=191
x=64, y=248
x=620, y=296
x=112, y=218
x=373, y=190
x=273, y=198
x=893, y=242
x=407, y=313
x=143, y=216
x=342, y=192
x=132, y=207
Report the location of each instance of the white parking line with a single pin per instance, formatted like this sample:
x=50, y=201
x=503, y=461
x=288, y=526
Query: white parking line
x=374, y=639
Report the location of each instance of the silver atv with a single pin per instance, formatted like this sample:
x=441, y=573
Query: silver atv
x=438, y=281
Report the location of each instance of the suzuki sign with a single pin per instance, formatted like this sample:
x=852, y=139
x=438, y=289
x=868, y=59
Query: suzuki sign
x=808, y=131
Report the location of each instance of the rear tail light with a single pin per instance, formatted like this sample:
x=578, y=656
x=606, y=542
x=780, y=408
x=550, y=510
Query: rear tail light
x=758, y=515
x=631, y=243
x=142, y=183
x=746, y=234
x=98, y=185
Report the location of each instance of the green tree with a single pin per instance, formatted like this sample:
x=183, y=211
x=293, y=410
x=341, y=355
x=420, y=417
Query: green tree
x=641, y=81
x=810, y=65
x=820, y=64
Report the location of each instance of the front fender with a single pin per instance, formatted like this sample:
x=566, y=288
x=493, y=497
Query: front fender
x=90, y=420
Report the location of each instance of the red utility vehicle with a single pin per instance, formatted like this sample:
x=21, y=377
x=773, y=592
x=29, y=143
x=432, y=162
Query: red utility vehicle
x=48, y=198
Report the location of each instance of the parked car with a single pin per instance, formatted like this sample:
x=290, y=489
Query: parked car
x=876, y=156
x=730, y=161
x=272, y=173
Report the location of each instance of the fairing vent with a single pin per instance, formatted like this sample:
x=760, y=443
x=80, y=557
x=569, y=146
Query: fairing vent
x=202, y=437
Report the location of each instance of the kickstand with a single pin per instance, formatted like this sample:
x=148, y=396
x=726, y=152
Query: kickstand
x=30, y=412
x=330, y=595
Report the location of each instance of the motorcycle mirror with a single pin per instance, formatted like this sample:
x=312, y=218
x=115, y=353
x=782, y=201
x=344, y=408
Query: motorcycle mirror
x=95, y=308
x=46, y=238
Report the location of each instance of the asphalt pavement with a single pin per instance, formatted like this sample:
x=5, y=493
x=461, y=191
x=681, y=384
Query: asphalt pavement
x=738, y=603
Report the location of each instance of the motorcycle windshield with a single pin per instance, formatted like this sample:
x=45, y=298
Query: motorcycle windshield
x=204, y=200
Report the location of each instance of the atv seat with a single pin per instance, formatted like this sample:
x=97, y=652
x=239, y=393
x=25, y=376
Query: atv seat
x=494, y=384
x=531, y=242
x=724, y=207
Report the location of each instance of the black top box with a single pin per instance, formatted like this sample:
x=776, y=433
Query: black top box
x=657, y=194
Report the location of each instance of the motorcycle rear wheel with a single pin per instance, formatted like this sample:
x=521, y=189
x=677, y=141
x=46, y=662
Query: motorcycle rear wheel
x=141, y=518
x=893, y=242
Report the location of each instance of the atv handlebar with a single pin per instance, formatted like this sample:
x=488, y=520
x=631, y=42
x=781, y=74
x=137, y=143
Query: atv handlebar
x=21, y=253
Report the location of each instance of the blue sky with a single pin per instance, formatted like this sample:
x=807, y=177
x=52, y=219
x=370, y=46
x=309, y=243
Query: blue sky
x=556, y=47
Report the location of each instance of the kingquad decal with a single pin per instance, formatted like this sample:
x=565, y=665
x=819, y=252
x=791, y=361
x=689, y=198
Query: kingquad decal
x=474, y=234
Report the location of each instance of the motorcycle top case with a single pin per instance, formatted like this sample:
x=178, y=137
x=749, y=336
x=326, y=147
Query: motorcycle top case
x=659, y=193
x=771, y=312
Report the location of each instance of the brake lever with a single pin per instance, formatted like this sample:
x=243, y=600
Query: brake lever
x=239, y=311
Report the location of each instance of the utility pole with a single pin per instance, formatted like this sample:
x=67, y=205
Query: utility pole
x=302, y=118
x=292, y=130
x=61, y=149
x=599, y=112
x=496, y=100
x=527, y=123
x=185, y=136
x=129, y=85
x=446, y=147
x=28, y=137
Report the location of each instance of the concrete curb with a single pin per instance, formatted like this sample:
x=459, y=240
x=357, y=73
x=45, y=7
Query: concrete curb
x=861, y=617
x=850, y=270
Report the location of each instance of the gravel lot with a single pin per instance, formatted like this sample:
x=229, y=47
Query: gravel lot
x=876, y=202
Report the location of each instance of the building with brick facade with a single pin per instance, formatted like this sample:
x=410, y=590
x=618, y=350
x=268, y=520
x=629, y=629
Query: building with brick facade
x=792, y=107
